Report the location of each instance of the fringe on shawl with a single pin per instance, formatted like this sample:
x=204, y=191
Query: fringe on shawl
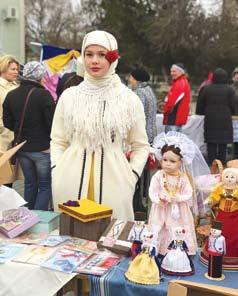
x=94, y=117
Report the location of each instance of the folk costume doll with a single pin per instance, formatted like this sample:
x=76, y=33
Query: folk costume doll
x=216, y=248
x=93, y=123
x=225, y=198
x=137, y=234
x=171, y=190
x=144, y=269
x=177, y=261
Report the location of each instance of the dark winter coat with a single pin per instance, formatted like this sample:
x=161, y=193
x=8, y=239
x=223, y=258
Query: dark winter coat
x=38, y=116
x=218, y=103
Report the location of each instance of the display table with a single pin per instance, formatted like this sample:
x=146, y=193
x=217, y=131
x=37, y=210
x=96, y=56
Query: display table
x=17, y=279
x=114, y=282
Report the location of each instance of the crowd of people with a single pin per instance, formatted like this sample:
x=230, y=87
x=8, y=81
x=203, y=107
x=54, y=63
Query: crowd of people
x=75, y=148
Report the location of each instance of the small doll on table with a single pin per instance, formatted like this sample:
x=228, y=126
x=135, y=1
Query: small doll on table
x=177, y=261
x=225, y=198
x=171, y=190
x=144, y=269
x=216, y=248
x=136, y=235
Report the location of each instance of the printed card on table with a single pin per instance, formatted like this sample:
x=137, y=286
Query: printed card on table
x=99, y=263
x=29, y=238
x=34, y=254
x=83, y=245
x=9, y=250
x=65, y=260
x=54, y=240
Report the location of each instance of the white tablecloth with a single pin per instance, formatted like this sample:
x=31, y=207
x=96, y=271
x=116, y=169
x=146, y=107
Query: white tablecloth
x=17, y=279
x=193, y=129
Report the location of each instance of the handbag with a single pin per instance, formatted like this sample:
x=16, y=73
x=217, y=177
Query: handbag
x=18, y=137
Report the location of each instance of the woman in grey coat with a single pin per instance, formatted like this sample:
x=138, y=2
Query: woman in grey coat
x=138, y=81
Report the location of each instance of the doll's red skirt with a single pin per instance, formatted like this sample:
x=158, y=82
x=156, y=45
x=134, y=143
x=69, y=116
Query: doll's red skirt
x=230, y=231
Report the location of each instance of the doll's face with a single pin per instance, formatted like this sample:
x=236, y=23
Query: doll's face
x=179, y=232
x=229, y=179
x=171, y=162
x=215, y=232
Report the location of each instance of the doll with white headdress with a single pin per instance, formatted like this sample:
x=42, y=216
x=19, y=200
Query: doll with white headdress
x=171, y=189
x=144, y=268
x=177, y=261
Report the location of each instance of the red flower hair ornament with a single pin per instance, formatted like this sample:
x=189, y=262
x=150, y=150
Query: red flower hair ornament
x=112, y=55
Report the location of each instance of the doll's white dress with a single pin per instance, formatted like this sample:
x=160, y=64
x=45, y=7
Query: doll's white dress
x=177, y=260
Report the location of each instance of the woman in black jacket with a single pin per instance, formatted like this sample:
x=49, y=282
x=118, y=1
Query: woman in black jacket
x=34, y=156
x=218, y=103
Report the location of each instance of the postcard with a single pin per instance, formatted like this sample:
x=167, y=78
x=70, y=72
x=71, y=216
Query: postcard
x=29, y=238
x=99, y=263
x=82, y=245
x=66, y=260
x=54, y=240
x=34, y=254
x=9, y=250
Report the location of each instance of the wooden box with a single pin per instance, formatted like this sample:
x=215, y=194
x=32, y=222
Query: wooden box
x=88, y=221
x=122, y=245
x=86, y=230
x=187, y=288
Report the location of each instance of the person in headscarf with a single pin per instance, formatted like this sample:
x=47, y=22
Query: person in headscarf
x=34, y=156
x=218, y=103
x=93, y=123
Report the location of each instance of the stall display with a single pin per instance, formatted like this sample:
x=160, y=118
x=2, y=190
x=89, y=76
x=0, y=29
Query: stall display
x=224, y=203
x=177, y=261
x=144, y=268
x=216, y=248
x=87, y=220
x=172, y=189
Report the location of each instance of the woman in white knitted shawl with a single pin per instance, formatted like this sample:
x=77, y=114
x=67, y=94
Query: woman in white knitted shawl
x=93, y=123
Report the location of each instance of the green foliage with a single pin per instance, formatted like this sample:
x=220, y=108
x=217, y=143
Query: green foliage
x=155, y=33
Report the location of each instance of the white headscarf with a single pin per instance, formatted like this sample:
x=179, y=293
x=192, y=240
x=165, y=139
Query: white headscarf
x=103, y=39
x=102, y=106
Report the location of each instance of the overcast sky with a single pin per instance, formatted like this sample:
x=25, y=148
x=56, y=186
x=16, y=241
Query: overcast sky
x=211, y=5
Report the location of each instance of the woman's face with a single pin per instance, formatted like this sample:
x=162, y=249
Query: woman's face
x=170, y=162
x=11, y=73
x=96, y=63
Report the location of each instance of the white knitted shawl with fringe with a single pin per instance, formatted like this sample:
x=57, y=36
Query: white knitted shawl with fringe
x=99, y=110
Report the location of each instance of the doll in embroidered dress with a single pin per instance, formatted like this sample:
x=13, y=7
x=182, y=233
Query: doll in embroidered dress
x=136, y=235
x=177, y=261
x=144, y=268
x=225, y=198
x=171, y=190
